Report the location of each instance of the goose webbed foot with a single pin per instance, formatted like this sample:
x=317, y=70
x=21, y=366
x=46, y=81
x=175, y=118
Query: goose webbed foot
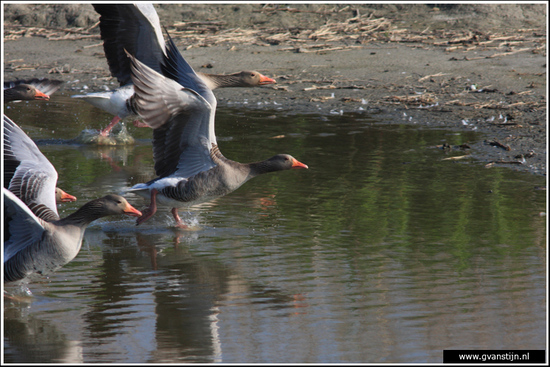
x=179, y=222
x=107, y=130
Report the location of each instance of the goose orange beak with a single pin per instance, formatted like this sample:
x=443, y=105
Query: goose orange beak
x=264, y=80
x=65, y=198
x=39, y=95
x=131, y=211
x=297, y=165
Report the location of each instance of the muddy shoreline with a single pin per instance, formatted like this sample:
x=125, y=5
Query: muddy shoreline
x=398, y=64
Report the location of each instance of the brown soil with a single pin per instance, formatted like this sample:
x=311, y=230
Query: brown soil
x=464, y=66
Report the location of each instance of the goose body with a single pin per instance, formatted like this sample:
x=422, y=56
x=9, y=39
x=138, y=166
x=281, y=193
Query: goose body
x=34, y=245
x=136, y=29
x=189, y=165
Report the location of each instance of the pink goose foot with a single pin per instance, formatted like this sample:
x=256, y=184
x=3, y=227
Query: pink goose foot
x=151, y=210
x=179, y=222
x=105, y=132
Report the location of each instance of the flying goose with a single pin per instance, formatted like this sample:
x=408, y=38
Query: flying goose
x=180, y=108
x=136, y=28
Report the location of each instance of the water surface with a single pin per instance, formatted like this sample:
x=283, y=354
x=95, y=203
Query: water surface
x=380, y=252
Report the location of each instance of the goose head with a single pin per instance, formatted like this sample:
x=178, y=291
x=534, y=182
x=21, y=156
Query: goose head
x=254, y=78
x=24, y=92
x=116, y=204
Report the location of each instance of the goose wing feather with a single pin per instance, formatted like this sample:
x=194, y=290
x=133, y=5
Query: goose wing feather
x=24, y=228
x=132, y=27
x=28, y=173
x=178, y=69
x=181, y=119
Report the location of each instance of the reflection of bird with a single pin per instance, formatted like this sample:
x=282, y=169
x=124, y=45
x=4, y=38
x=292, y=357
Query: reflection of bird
x=190, y=167
x=136, y=28
x=30, y=89
x=28, y=173
x=23, y=333
x=36, y=240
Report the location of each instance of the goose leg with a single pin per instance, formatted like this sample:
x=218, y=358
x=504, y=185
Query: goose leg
x=151, y=210
x=179, y=222
x=107, y=130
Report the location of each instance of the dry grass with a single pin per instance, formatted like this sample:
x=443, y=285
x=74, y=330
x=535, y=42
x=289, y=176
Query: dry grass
x=354, y=32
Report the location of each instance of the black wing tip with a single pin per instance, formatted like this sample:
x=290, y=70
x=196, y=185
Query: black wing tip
x=170, y=65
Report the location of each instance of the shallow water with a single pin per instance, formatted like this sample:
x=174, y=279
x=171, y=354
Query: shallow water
x=380, y=252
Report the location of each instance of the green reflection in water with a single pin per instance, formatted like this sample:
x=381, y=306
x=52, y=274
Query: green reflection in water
x=380, y=185
x=388, y=186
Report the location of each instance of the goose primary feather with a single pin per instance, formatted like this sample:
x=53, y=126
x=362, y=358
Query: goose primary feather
x=29, y=174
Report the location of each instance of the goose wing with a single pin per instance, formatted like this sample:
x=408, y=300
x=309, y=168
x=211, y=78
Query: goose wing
x=182, y=120
x=131, y=27
x=28, y=173
x=175, y=67
x=21, y=227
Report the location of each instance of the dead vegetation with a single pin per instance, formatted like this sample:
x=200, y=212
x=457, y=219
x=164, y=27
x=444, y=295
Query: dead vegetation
x=358, y=31
x=354, y=32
